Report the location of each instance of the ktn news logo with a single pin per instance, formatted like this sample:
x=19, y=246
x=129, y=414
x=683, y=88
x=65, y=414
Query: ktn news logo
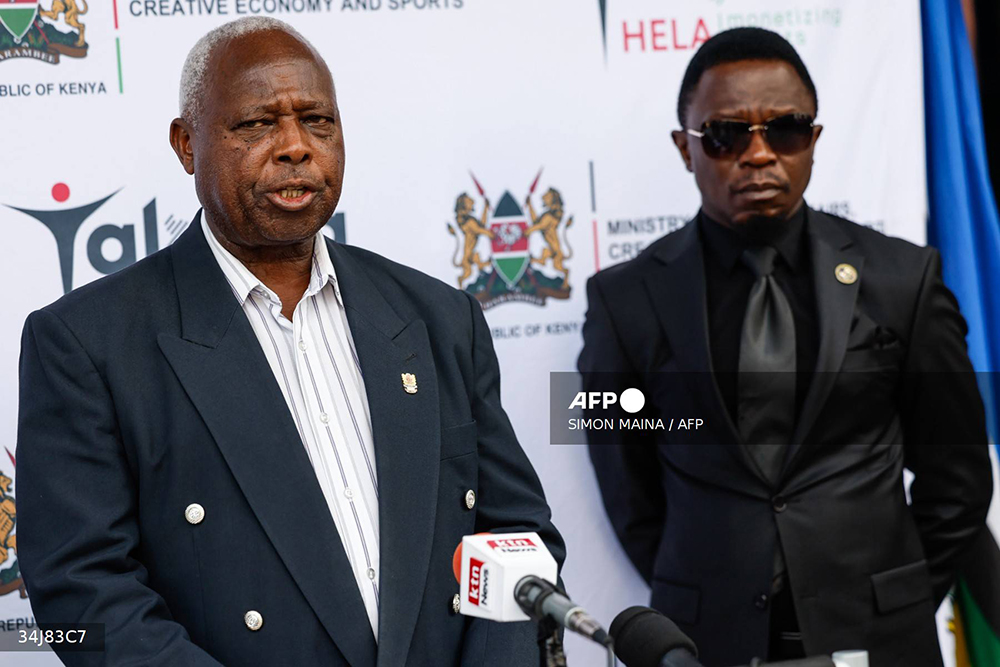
x=479, y=583
x=513, y=546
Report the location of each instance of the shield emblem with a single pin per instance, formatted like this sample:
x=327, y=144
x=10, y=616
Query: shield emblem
x=17, y=16
x=510, y=243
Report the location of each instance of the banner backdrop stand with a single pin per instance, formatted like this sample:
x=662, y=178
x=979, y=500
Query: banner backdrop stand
x=556, y=112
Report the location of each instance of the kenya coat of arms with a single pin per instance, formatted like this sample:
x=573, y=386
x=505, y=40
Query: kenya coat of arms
x=27, y=35
x=507, y=271
x=10, y=573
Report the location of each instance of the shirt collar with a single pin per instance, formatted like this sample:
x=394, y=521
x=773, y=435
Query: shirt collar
x=243, y=281
x=727, y=244
x=323, y=272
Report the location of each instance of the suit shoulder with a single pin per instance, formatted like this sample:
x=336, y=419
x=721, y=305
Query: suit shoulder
x=877, y=244
x=134, y=287
x=895, y=271
x=632, y=270
x=405, y=281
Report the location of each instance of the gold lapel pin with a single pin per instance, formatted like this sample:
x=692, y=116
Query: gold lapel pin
x=409, y=383
x=846, y=274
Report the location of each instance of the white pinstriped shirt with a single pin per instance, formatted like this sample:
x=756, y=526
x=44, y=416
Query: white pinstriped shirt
x=314, y=361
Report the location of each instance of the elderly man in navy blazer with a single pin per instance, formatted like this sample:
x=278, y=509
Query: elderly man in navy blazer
x=258, y=446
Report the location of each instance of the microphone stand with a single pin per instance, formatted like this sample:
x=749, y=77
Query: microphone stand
x=550, y=646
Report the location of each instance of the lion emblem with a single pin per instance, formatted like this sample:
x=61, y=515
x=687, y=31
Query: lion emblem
x=8, y=513
x=471, y=229
x=10, y=578
x=512, y=265
x=72, y=13
x=548, y=225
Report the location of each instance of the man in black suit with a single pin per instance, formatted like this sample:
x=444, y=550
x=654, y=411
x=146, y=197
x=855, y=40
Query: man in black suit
x=281, y=477
x=823, y=357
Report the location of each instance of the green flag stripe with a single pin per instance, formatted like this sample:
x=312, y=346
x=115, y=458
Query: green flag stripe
x=980, y=571
x=981, y=639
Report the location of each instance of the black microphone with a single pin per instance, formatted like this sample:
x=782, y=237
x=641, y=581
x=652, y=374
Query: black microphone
x=646, y=638
x=539, y=598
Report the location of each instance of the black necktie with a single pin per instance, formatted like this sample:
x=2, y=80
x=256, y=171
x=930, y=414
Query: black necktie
x=766, y=409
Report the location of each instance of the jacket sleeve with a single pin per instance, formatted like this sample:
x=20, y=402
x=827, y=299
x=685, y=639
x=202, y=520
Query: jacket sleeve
x=77, y=524
x=628, y=473
x=510, y=500
x=944, y=428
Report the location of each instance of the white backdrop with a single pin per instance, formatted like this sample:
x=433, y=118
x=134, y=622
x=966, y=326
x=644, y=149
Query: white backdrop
x=431, y=90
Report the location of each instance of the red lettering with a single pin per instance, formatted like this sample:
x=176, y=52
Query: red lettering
x=475, y=572
x=673, y=28
x=641, y=35
x=510, y=543
x=656, y=29
x=701, y=34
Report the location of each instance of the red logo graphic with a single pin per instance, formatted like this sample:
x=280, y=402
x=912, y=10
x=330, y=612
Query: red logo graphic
x=518, y=544
x=475, y=580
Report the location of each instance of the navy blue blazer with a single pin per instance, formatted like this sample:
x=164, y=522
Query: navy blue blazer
x=147, y=391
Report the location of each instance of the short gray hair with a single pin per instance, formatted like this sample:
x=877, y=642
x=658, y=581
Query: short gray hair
x=196, y=64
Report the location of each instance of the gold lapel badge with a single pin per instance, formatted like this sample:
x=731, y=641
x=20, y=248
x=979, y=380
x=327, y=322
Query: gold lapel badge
x=409, y=383
x=846, y=274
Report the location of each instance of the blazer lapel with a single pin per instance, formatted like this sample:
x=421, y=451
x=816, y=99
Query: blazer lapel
x=219, y=362
x=676, y=287
x=406, y=430
x=835, y=301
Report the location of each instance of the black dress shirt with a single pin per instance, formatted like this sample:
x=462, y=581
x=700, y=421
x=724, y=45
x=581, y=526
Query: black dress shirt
x=727, y=288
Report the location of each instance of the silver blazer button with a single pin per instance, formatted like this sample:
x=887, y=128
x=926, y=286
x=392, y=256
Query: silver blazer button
x=253, y=619
x=194, y=513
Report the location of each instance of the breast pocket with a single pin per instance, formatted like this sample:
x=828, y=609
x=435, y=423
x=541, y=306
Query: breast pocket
x=679, y=602
x=901, y=586
x=872, y=347
x=873, y=359
x=459, y=482
x=458, y=440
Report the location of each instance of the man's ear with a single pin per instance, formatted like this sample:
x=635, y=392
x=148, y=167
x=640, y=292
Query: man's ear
x=817, y=130
x=681, y=141
x=181, y=141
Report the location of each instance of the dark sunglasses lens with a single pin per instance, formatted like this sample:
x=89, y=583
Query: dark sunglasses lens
x=790, y=134
x=723, y=137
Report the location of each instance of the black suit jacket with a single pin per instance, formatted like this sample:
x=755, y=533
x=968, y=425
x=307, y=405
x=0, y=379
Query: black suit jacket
x=147, y=391
x=893, y=388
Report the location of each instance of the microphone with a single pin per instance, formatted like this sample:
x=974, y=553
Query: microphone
x=539, y=598
x=646, y=638
x=508, y=577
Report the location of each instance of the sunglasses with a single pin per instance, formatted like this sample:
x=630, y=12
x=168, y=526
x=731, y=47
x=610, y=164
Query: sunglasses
x=786, y=135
